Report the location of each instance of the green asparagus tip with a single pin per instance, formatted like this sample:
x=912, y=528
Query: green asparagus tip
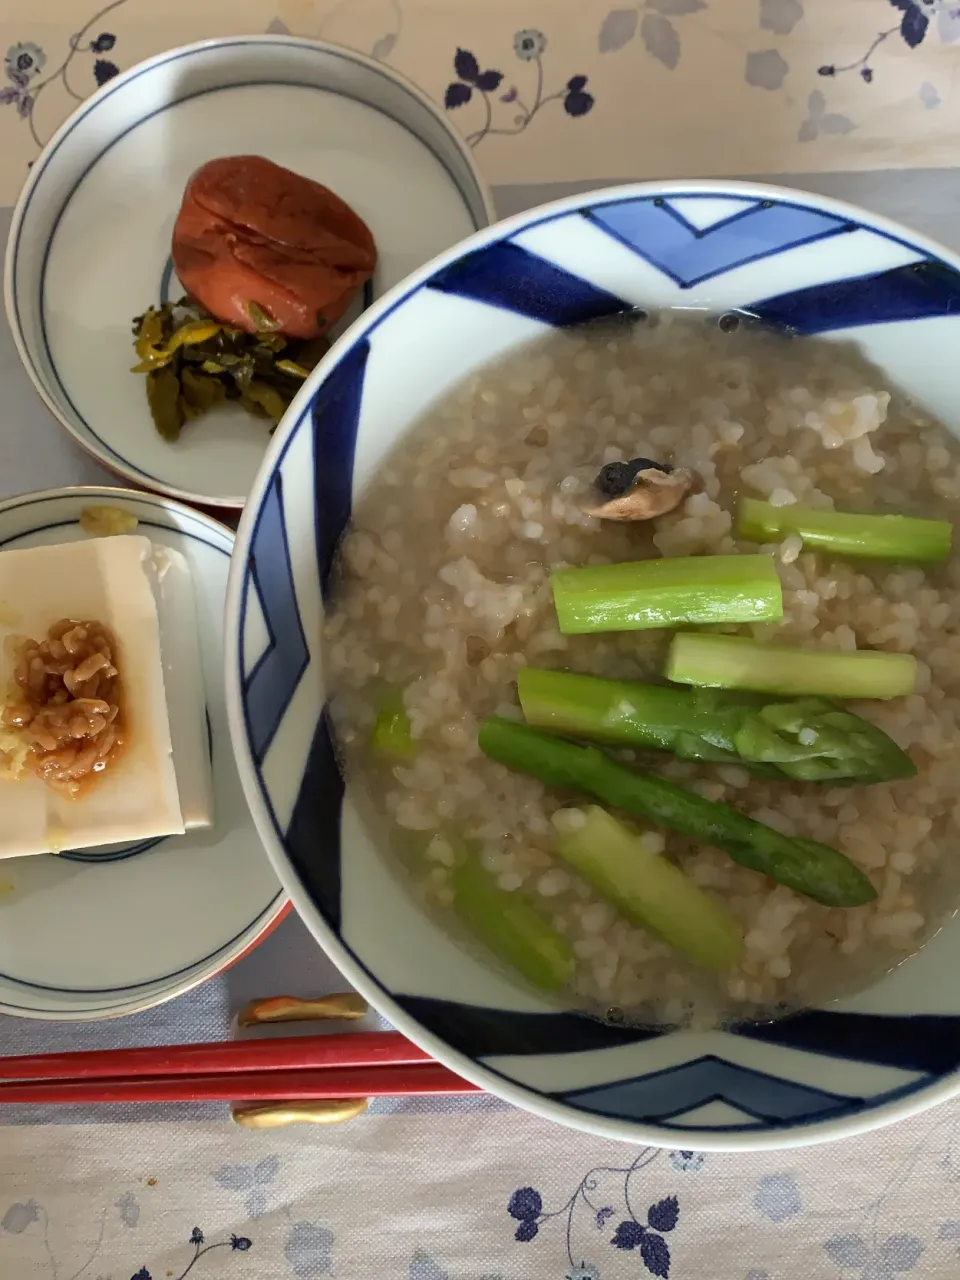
x=810, y=868
x=806, y=739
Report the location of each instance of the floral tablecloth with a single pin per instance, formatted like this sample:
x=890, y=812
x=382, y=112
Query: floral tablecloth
x=474, y=1192
x=550, y=93
x=546, y=89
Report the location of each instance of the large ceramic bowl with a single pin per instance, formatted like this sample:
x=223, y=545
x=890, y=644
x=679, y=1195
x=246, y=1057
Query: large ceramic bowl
x=797, y=260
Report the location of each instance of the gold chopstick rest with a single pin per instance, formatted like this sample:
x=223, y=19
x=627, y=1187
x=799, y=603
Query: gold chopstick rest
x=342, y=1005
x=275, y=1115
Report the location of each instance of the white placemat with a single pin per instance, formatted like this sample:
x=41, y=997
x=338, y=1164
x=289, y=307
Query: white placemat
x=472, y=1194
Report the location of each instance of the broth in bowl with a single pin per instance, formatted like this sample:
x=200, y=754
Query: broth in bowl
x=642, y=693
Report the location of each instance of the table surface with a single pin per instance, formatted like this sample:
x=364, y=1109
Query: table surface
x=427, y=1189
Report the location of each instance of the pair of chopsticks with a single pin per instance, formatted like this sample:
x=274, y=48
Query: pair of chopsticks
x=347, y=1068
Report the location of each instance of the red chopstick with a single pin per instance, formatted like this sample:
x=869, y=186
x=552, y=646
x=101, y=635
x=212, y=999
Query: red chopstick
x=403, y=1080
x=287, y=1053
x=362, y=1064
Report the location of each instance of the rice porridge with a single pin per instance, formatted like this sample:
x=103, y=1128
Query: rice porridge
x=443, y=594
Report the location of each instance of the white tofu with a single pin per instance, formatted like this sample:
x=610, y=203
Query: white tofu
x=183, y=684
x=160, y=784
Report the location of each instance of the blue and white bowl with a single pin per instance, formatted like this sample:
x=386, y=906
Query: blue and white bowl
x=815, y=265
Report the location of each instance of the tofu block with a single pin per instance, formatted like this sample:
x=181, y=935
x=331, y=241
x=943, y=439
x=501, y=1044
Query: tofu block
x=159, y=783
x=183, y=683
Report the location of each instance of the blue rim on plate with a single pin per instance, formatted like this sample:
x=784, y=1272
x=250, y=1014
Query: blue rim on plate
x=19, y=284
x=824, y=1073
x=113, y=853
x=60, y=509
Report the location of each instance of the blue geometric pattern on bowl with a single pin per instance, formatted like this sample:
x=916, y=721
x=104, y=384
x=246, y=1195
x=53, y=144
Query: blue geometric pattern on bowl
x=504, y=275
x=805, y=264
x=273, y=680
x=915, y=292
x=677, y=1091
x=688, y=241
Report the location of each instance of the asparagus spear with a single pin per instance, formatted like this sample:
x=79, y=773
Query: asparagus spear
x=809, y=740
x=391, y=735
x=736, y=662
x=510, y=927
x=813, y=869
x=647, y=887
x=889, y=537
x=664, y=593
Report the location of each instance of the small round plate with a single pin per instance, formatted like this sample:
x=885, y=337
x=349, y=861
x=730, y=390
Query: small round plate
x=89, y=245
x=104, y=932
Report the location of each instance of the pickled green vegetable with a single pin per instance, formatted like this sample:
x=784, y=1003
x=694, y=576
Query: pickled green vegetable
x=200, y=394
x=207, y=364
x=166, y=408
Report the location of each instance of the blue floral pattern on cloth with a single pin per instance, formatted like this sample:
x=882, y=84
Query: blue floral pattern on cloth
x=677, y=1215
x=128, y=1207
x=472, y=83
x=687, y=1161
x=21, y=1216
x=884, y=1261
x=605, y=1198
x=777, y=1197
x=309, y=1250
x=912, y=26
x=253, y=1179
x=509, y=102
x=425, y=1267
x=24, y=65
x=660, y=27
x=655, y=23
x=237, y=1244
